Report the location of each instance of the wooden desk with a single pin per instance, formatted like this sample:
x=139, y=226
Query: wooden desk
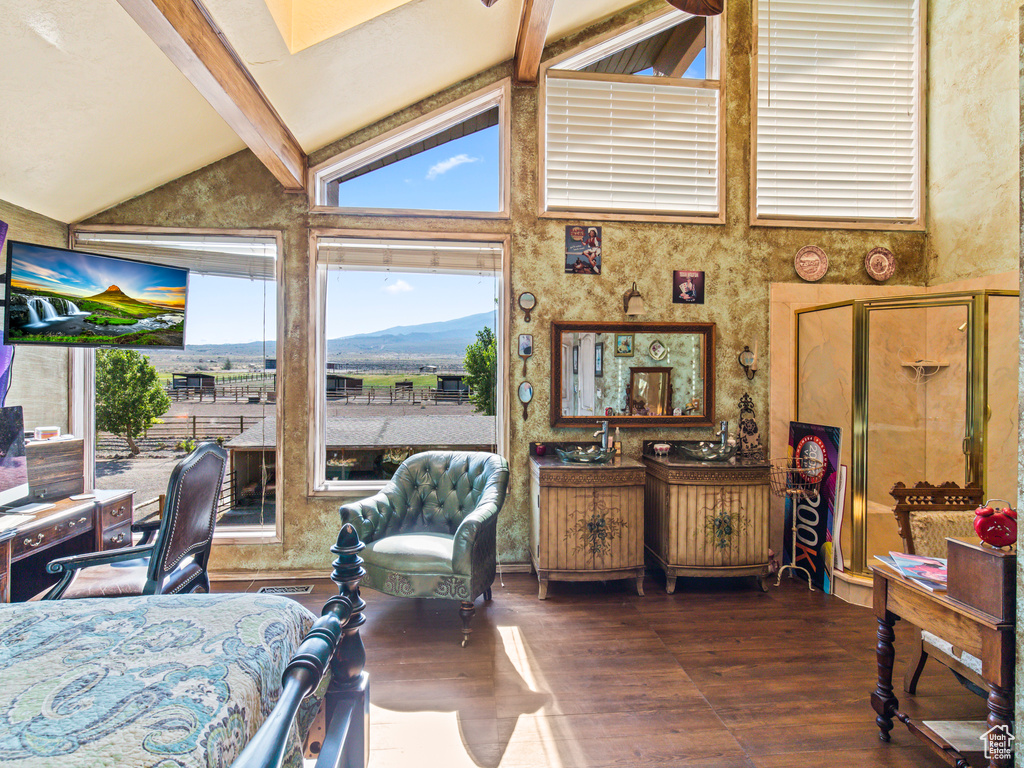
x=978, y=633
x=68, y=528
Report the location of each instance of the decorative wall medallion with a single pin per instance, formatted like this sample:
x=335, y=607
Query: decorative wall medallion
x=595, y=531
x=811, y=263
x=880, y=264
x=657, y=350
x=750, y=438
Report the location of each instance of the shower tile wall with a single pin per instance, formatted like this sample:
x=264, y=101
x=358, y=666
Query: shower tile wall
x=825, y=375
x=1002, y=382
x=945, y=395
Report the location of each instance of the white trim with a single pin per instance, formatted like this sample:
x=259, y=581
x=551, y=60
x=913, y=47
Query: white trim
x=589, y=177
x=496, y=95
x=407, y=244
x=622, y=41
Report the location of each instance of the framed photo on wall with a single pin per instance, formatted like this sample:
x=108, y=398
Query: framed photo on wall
x=599, y=360
x=623, y=344
x=687, y=287
x=582, y=249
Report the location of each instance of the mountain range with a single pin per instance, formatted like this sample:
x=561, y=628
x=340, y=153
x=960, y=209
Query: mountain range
x=449, y=337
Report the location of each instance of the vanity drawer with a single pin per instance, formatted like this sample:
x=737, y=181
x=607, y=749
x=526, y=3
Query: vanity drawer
x=116, y=512
x=41, y=537
x=117, y=537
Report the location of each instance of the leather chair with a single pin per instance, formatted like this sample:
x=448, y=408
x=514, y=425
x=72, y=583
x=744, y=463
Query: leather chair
x=175, y=563
x=431, y=531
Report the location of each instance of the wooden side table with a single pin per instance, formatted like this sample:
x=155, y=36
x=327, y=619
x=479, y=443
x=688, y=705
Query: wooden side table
x=976, y=632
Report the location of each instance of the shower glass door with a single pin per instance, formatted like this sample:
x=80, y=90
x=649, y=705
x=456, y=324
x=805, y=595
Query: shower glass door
x=918, y=405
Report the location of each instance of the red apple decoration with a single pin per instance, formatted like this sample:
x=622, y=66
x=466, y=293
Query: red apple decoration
x=998, y=529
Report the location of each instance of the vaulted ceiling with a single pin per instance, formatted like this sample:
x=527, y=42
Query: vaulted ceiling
x=92, y=112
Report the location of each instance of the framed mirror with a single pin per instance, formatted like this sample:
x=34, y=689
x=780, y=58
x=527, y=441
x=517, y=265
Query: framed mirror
x=632, y=374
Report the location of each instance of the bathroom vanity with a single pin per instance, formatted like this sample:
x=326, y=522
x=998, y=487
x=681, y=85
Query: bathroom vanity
x=587, y=521
x=707, y=518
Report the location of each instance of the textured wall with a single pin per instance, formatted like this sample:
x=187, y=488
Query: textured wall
x=40, y=381
x=972, y=113
x=740, y=262
x=1019, y=672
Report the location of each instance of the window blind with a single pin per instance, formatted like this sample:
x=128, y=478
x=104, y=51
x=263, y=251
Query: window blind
x=462, y=257
x=838, y=103
x=217, y=255
x=631, y=146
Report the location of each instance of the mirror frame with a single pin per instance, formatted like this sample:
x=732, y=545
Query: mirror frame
x=707, y=330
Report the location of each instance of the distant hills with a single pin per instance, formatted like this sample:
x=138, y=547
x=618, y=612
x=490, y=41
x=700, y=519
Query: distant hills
x=449, y=337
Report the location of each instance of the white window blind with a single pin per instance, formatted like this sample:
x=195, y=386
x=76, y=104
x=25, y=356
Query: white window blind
x=216, y=255
x=647, y=147
x=462, y=257
x=838, y=103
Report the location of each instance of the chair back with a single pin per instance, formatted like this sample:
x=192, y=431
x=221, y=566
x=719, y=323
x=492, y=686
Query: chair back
x=433, y=491
x=190, y=513
x=926, y=514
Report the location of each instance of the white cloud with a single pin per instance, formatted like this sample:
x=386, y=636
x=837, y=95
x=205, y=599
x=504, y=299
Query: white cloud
x=400, y=287
x=446, y=165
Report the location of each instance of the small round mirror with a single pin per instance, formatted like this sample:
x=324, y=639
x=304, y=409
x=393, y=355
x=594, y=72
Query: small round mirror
x=527, y=301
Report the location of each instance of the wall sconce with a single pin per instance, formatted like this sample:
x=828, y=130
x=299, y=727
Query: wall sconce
x=633, y=302
x=748, y=361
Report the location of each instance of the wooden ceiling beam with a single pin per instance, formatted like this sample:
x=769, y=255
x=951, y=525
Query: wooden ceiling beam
x=681, y=48
x=187, y=35
x=533, y=31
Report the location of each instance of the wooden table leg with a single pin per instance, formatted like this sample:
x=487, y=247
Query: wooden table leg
x=1000, y=713
x=883, y=700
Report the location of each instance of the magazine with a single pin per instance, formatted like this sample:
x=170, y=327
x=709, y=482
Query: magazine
x=929, y=572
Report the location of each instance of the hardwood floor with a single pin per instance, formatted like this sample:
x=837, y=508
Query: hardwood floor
x=717, y=675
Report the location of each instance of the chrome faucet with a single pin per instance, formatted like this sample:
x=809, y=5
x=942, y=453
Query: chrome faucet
x=603, y=432
x=724, y=433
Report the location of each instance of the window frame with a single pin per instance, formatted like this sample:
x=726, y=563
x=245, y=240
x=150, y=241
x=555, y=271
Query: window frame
x=316, y=459
x=498, y=94
x=919, y=222
x=717, y=65
x=83, y=379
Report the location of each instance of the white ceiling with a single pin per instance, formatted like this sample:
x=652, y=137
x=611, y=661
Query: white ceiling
x=93, y=113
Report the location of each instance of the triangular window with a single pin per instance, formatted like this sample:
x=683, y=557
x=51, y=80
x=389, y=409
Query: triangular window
x=452, y=160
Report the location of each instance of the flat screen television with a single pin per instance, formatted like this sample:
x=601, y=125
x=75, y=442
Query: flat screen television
x=13, y=464
x=78, y=299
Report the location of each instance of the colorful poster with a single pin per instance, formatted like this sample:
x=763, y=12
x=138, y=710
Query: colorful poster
x=687, y=287
x=582, y=250
x=814, y=517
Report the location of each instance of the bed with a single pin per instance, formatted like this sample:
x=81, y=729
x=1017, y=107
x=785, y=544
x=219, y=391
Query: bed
x=179, y=681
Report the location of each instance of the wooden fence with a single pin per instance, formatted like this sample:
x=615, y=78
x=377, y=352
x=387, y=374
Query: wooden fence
x=240, y=394
x=153, y=506
x=398, y=395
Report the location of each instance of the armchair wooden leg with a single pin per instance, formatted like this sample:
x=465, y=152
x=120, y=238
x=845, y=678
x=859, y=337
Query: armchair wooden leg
x=915, y=664
x=466, y=611
x=487, y=594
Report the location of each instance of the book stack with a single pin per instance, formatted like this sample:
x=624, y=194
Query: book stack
x=929, y=572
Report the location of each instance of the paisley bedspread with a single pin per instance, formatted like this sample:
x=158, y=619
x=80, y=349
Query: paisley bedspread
x=169, y=681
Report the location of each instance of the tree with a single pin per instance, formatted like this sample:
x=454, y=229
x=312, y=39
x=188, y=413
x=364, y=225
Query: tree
x=128, y=395
x=482, y=371
x=227, y=364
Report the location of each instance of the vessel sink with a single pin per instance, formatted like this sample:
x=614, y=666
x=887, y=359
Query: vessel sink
x=707, y=451
x=579, y=455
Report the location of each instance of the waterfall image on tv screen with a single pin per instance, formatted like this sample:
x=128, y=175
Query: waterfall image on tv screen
x=73, y=298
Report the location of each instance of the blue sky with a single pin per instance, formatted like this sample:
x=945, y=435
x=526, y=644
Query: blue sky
x=357, y=302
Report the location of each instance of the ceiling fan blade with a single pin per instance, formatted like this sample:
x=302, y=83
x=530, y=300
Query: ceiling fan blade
x=697, y=7
x=488, y=3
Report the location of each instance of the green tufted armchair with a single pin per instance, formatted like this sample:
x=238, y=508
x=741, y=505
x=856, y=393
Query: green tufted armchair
x=430, y=532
